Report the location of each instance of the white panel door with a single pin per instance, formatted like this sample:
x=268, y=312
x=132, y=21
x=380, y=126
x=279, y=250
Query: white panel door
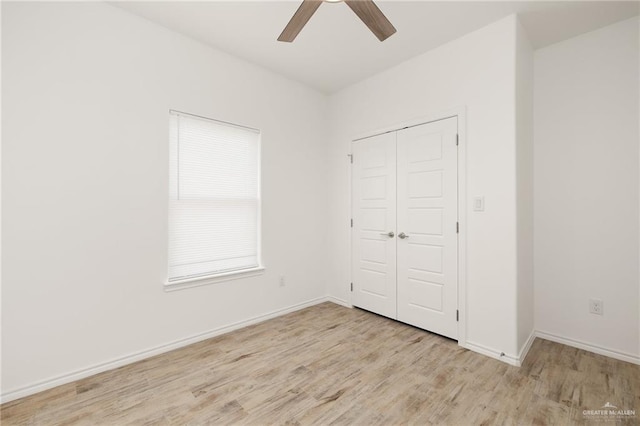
x=373, y=241
x=427, y=212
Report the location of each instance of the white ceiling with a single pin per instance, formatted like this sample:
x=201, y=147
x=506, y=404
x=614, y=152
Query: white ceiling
x=335, y=49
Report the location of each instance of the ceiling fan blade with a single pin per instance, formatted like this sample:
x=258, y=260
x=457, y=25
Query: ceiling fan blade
x=299, y=20
x=372, y=17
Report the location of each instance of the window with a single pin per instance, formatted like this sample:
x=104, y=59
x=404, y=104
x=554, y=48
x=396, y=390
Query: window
x=214, y=198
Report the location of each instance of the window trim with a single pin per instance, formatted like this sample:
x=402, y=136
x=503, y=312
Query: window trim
x=213, y=278
x=226, y=123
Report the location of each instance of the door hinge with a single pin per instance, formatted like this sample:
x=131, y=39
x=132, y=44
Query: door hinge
x=350, y=158
x=352, y=223
x=457, y=315
x=457, y=139
x=457, y=227
x=351, y=286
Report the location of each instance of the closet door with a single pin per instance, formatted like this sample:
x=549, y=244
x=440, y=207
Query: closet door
x=374, y=223
x=427, y=209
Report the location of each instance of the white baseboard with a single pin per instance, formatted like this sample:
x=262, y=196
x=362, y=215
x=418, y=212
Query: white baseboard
x=525, y=349
x=518, y=360
x=484, y=350
x=611, y=353
x=501, y=356
x=339, y=302
x=138, y=356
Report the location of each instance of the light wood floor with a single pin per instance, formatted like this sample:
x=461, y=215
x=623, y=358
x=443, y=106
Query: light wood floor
x=332, y=365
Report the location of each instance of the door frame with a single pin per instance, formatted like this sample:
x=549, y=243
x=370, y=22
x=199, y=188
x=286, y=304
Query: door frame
x=461, y=114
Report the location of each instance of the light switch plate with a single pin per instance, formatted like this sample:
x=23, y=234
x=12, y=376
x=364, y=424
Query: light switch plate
x=478, y=204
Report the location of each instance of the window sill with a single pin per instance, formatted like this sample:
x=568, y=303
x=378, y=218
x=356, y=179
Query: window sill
x=212, y=279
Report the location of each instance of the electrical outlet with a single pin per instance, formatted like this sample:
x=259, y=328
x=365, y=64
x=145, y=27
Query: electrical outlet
x=282, y=281
x=596, y=306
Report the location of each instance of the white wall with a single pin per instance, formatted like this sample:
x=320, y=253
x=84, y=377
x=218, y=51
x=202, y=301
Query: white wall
x=476, y=71
x=586, y=189
x=524, y=189
x=86, y=94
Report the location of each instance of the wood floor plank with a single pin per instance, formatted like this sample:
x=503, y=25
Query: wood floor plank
x=331, y=365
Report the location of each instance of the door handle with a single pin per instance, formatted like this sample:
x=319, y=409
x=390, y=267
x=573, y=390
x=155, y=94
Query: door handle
x=390, y=234
x=402, y=236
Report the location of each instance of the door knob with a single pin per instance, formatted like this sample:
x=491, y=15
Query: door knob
x=390, y=234
x=402, y=235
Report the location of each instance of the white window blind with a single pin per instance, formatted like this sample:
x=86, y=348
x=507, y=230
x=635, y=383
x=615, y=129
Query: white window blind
x=214, y=199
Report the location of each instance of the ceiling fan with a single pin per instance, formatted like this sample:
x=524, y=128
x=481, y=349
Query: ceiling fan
x=366, y=10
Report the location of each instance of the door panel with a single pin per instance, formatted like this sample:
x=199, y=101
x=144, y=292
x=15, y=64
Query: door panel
x=427, y=211
x=374, y=216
